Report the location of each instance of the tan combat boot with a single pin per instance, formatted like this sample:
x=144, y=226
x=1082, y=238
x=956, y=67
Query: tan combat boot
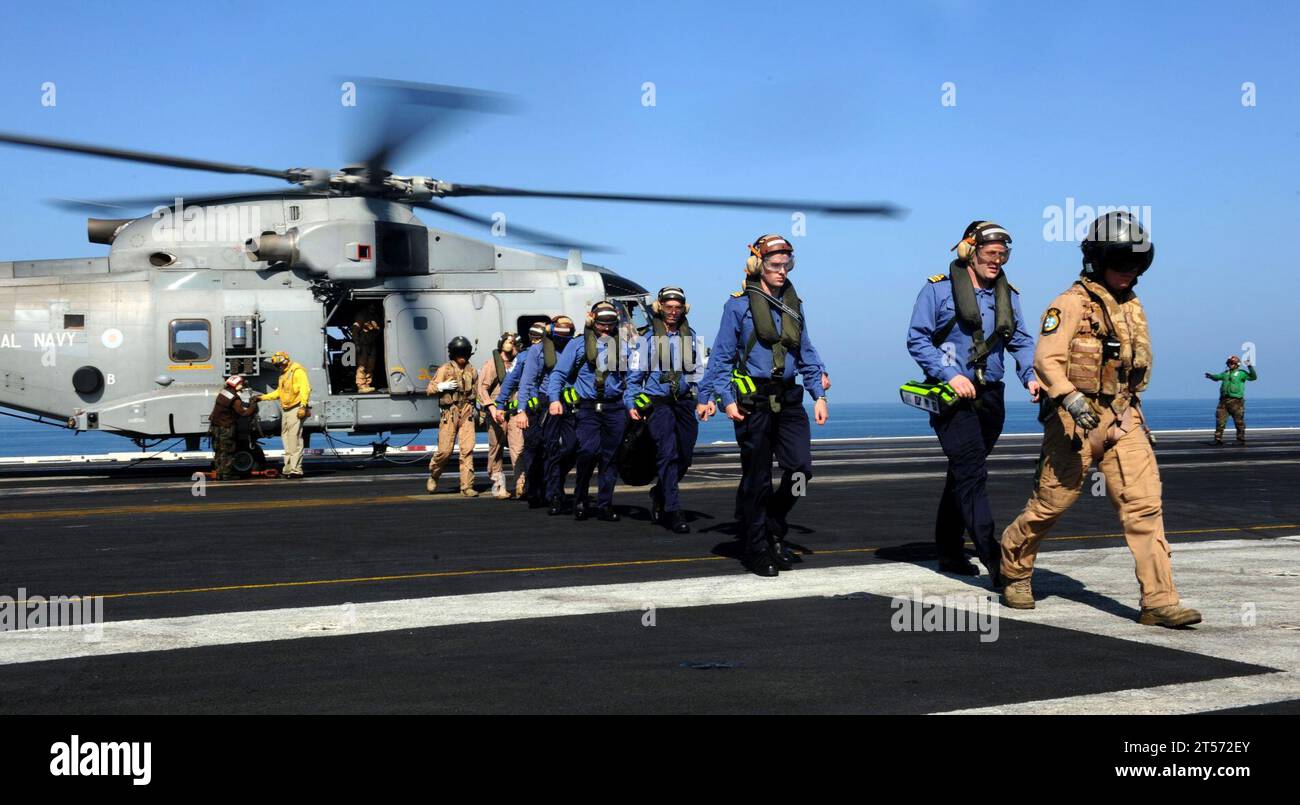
x=1172, y=616
x=431, y=485
x=1018, y=594
x=469, y=492
x=499, y=486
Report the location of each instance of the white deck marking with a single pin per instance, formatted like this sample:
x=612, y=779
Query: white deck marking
x=1221, y=578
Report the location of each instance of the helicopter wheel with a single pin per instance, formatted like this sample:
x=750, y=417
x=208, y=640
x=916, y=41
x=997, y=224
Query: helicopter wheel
x=243, y=462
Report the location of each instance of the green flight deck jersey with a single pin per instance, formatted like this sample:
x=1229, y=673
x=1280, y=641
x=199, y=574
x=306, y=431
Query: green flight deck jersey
x=1234, y=381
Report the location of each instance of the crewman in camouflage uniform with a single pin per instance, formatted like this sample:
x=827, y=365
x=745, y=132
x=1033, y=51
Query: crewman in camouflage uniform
x=1093, y=359
x=226, y=411
x=367, y=333
x=1232, y=398
x=455, y=384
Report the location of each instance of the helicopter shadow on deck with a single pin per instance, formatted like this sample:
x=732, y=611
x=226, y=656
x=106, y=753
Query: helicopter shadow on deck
x=1047, y=584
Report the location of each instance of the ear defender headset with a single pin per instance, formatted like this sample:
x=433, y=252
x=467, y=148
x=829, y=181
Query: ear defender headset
x=977, y=233
x=562, y=326
x=603, y=311
x=761, y=249
x=671, y=292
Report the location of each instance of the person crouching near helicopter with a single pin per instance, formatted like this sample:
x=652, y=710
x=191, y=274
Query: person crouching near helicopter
x=588, y=377
x=501, y=433
x=758, y=357
x=455, y=383
x=661, y=389
x=294, y=394
x=223, y=421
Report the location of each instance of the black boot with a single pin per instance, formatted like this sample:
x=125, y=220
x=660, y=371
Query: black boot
x=782, y=556
x=761, y=564
x=557, y=505
x=677, y=522
x=656, y=506
x=607, y=515
x=958, y=565
x=580, y=510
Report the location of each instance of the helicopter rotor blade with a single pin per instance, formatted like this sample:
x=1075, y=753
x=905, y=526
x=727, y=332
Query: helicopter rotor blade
x=831, y=208
x=152, y=202
x=142, y=156
x=534, y=236
x=412, y=112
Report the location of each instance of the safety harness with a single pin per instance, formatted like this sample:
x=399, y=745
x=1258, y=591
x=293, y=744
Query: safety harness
x=968, y=313
x=778, y=389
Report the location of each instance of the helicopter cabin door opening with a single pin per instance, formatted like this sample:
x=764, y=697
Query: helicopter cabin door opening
x=414, y=341
x=353, y=333
x=419, y=324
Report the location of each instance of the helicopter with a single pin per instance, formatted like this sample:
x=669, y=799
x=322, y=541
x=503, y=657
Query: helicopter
x=138, y=342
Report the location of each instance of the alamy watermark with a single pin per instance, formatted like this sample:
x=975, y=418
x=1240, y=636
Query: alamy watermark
x=58, y=612
x=968, y=612
x=1072, y=222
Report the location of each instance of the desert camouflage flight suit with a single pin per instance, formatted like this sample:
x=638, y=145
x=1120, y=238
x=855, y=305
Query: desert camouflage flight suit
x=1071, y=355
x=457, y=422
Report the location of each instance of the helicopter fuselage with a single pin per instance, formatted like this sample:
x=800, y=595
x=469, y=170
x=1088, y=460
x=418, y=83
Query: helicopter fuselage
x=138, y=342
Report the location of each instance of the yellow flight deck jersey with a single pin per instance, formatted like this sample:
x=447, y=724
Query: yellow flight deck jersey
x=294, y=388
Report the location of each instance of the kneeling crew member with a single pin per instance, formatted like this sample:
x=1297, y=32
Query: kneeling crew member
x=756, y=358
x=947, y=339
x=454, y=383
x=294, y=394
x=1093, y=358
x=592, y=366
x=226, y=411
x=663, y=389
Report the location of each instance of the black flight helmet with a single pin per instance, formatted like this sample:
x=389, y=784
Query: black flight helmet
x=1116, y=241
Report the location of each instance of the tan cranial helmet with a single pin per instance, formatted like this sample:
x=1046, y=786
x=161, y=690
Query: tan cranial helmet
x=763, y=248
x=603, y=312
x=670, y=293
x=562, y=326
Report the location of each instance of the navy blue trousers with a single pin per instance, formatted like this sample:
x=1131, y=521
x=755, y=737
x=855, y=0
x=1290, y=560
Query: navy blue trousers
x=533, y=458
x=967, y=435
x=561, y=445
x=674, y=429
x=599, y=435
x=762, y=435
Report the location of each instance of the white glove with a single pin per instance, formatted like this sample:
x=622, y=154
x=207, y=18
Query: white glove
x=447, y=385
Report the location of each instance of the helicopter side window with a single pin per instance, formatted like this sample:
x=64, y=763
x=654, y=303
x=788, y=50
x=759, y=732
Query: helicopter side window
x=191, y=340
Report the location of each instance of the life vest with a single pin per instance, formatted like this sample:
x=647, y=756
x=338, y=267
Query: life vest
x=1110, y=351
x=591, y=354
x=687, y=349
x=464, y=391
x=967, y=311
x=760, y=308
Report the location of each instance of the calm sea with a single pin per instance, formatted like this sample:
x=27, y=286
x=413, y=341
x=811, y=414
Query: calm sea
x=848, y=421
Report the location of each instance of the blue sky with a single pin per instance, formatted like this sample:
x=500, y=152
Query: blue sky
x=1122, y=105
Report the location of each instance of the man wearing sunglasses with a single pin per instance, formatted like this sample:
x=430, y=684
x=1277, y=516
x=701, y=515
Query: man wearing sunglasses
x=961, y=324
x=1093, y=359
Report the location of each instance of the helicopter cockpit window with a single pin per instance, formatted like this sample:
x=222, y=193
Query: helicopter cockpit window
x=191, y=340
